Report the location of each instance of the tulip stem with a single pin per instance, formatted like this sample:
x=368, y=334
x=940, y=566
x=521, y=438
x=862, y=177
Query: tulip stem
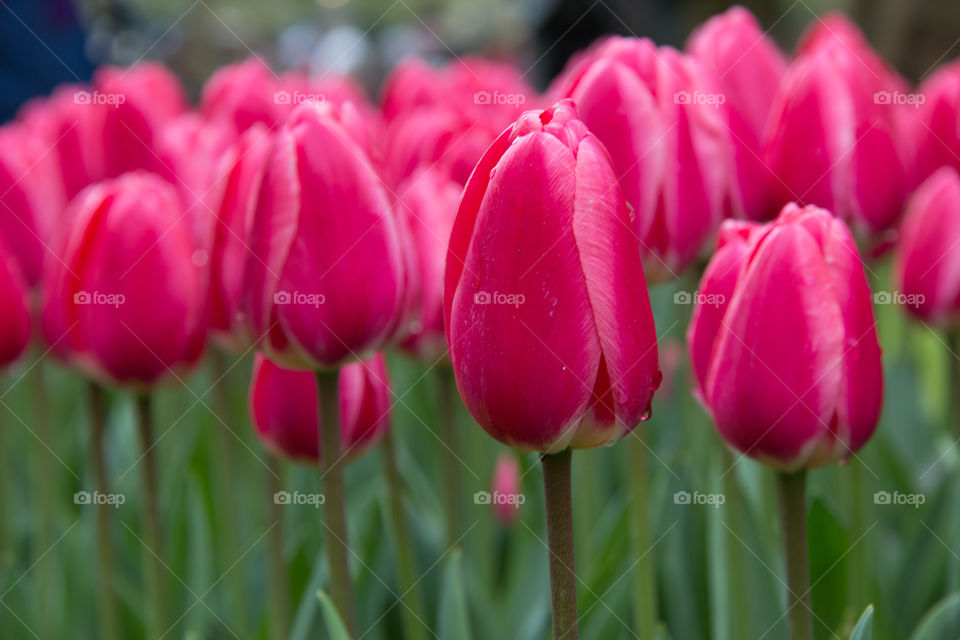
x=644, y=581
x=331, y=475
x=151, y=522
x=106, y=599
x=791, y=491
x=563, y=577
x=448, y=454
x=45, y=484
x=410, y=597
x=279, y=586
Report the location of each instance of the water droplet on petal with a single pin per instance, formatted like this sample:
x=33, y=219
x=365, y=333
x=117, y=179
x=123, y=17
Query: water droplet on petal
x=646, y=414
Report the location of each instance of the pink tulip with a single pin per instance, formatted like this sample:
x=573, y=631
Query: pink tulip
x=935, y=129
x=546, y=310
x=15, y=318
x=284, y=408
x=927, y=266
x=748, y=68
x=135, y=102
x=31, y=197
x=324, y=282
x=506, y=489
x=427, y=204
x=124, y=300
x=241, y=172
x=244, y=94
x=783, y=341
x=660, y=118
x=834, y=137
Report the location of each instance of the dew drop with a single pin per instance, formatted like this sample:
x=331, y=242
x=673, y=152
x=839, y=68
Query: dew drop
x=646, y=414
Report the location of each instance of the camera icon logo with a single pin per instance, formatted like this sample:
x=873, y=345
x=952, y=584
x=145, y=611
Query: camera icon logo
x=681, y=497
x=882, y=297
x=82, y=497
x=281, y=297
x=881, y=497
x=681, y=97
x=682, y=297
x=481, y=297
x=481, y=97
x=481, y=497
x=281, y=497
x=81, y=97
x=81, y=297
x=281, y=97
x=881, y=97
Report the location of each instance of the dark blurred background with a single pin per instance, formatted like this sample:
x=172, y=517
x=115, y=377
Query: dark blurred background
x=45, y=42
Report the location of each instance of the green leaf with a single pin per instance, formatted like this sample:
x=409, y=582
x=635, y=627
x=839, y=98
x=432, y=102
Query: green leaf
x=454, y=615
x=864, y=628
x=335, y=626
x=303, y=620
x=941, y=621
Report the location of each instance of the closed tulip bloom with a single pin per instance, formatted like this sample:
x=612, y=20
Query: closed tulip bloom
x=124, y=299
x=783, y=341
x=547, y=316
x=927, y=265
x=244, y=94
x=506, y=487
x=14, y=309
x=748, y=68
x=834, y=138
x=658, y=115
x=241, y=172
x=935, y=130
x=324, y=283
x=428, y=204
x=284, y=408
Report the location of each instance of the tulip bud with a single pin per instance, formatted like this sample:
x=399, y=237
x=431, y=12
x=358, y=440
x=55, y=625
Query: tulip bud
x=546, y=310
x=660, y=118
x=506, y=489
x=284, y=408
x=324, y=281
x=244, y=94
x=748, y=68
x=927, y=265
x=241, y=172
x=15, y=316
x=936, y=127
x=428, y=205
x=834, y=137
x=783, y=341
x=124, y=300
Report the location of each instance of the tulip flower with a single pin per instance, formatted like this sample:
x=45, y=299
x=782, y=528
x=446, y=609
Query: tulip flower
x=505, y=489
x=242, y=95
x=15, y=319
x=834, y=138
x=125, y=300
x=659, y=115
x=927, y=265
x=784, y=348
x=748, y=68
x=326, y=272
x=936, y=127
x=546, y=310
x=284, y=408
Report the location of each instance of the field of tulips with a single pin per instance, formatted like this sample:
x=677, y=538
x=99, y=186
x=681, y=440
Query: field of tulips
x=668, y=349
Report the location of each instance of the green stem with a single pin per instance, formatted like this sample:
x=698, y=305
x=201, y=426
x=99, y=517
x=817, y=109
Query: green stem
x=449, y=450
x=644, y=581
x=106, y=598
x=279, y=586
x=739, y=614
x=791, y=491
x=153, y=567
x=410, y=596
x=563, y=577
x=331, y=474
x=45, y=484
x=224, y=463
x=953, y=425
